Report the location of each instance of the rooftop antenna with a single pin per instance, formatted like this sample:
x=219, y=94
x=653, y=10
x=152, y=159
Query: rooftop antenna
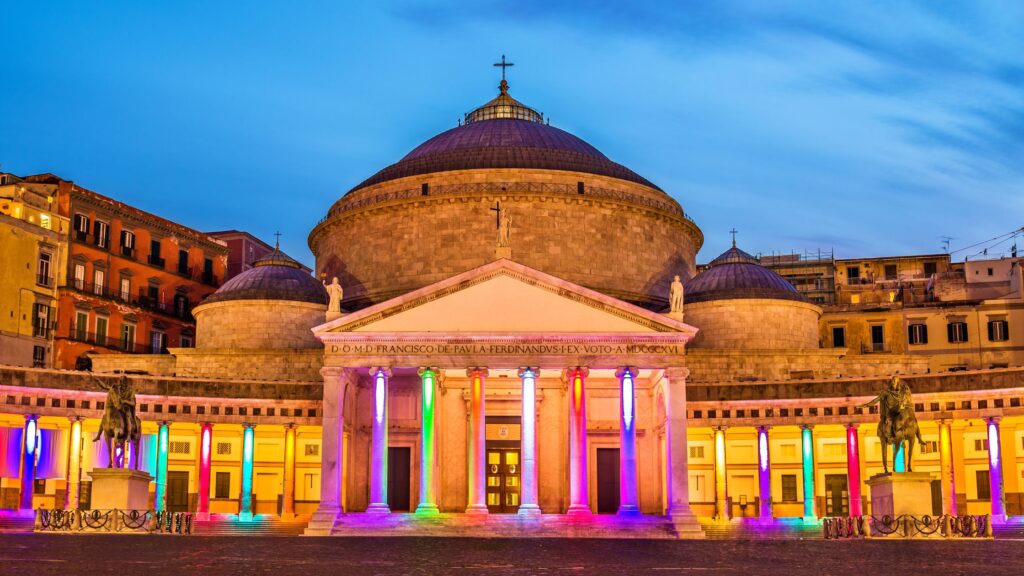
x=945, y=243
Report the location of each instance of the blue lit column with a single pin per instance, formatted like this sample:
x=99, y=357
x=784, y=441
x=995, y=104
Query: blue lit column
x=29, y=447
x=808, y=460
x=245, y=508
x=160, y=496
x=628, y=501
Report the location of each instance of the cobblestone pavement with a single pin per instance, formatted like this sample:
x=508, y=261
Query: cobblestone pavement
x=142, y=555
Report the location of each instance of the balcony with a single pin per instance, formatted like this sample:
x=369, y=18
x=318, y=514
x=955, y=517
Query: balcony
x=110, y=342
x=876, y=348
x=43, y=329
x=128, y=252
x=180, y=310
x=156, y=260
x=81, y=236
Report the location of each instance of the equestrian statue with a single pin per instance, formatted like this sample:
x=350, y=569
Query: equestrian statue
x=896, y=421
x=120, y=425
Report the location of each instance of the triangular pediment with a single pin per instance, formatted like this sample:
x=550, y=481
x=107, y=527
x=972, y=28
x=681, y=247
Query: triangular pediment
x=504, y=297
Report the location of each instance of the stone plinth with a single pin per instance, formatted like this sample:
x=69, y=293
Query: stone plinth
x=901, y=493
x=120, y=488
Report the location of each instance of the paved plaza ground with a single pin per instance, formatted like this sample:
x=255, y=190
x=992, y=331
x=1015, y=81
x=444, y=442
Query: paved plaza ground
x=131, y=555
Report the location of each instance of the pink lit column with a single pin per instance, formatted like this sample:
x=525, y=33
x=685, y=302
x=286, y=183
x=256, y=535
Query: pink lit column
x=379, y=443
x=764, y=474
x=628, y=502
x=995, y=472
x=579, y=500
x=853, y=468
x=205, y=443
x=477, y=445
x=528, y=499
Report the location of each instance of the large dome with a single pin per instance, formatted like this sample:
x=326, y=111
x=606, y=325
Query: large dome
x=575, y=214
x=273, y=277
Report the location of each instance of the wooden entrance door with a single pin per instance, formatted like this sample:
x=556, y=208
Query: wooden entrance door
x=399, y=479
x=607, y=480
x=177, y=491
x=836, y=495
x=503, y=472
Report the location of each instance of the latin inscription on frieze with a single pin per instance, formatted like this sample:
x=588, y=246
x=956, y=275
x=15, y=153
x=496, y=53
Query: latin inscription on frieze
x=406, y=349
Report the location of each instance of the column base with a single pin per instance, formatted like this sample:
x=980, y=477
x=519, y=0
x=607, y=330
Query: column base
x=245, y=516
x=579, y=510
x=529, y=510
x=685, y=523
x=427, y=510
x=202, y=516
x=378, y=508
x=810, y=519
x=322, y=521
x=477, y=510
x=628, y=510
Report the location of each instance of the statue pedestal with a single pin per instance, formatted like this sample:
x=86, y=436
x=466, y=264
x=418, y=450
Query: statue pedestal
x=503, y=252
x=677, y=316
x=333, y=315
x=120, y=488
x=901, y=493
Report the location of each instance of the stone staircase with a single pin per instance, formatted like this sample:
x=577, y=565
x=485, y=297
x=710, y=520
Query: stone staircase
x=14, y=523
x=750, y=529
x=260, y=525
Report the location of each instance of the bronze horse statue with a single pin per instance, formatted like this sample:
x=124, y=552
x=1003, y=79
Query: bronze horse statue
x=120, y=425
x=897, y=423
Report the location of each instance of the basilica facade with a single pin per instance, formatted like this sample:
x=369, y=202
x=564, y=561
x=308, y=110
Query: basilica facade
x=505, y=352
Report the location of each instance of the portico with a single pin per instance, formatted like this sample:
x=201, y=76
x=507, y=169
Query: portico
x=512, y=391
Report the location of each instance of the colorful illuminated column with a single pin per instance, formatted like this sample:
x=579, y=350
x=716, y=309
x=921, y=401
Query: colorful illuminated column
x=764, y=474
x=379, y=443
x=946, y=468
x=721, y=481
x=288, y=499
x=428, y=486
x=995, y=472
x=477, y=445
x=162, y=442
x=29, y=447
x=74, y=478
x=853, y=469
x=628, y=502
x=899, y=461
x=528, y=477
x=808, y=460
x=205, y=444
x=579, y=501
x=245, y=508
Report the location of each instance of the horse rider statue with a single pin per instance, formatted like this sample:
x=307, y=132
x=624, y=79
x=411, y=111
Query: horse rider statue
x=896, y=421
x=120, y=424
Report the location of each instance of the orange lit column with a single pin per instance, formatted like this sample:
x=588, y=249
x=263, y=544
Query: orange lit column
x=74, y=464
x=477, y=445
x=288, y=500
x=579, y=501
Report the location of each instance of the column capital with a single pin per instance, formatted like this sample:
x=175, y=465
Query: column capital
x=248, y=425
x=720, y=427
x=621, y=371
x=765, y=427
x=31, y=417
x=573, y=371
x=807, y=427
x=162, y=423
x=480, y=371
x=290, y=426
x=374, y=370
x=854, y=425
x=331, y=372
x=993, y=420
x=75, y=418
x=677, y=373
x=534, y=370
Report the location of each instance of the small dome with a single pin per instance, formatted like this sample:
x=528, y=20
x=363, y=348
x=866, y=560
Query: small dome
x=736, y=274
x=273, y=277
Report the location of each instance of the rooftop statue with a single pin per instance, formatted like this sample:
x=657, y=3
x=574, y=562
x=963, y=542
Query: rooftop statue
x=896, y=421
x=119, y=424
x=675, y=296
x=335, y=293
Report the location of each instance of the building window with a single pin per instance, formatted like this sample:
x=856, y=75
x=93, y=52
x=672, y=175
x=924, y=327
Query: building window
x=128, y=337
x=957, y=332
x=101, y=330
x=125, y=288
x=154, y=254
x=839, y=337
x=101, y=234
x=223, y=448
x=789, y=487
x=222, y=485
x=929, y=447
x=99, y=282
x=40, y=320
x=890, y=271
x=183, y=448
x=981, y=444
x=128, y=243
x=43, y=277
x=157, y=342
x=208, y=271
x=312, y=449
x=990, y=271
x=696, y=452
x=39, y=356
x=180, y=305
x=877, y=338
x=187, y=341
x=998, y=331
x=81, y=328
x=853, y=274
x=930, y=268
x=917, y=333
x=984, y=489
x=183, y=262
x=79, y=276
x=81, y=227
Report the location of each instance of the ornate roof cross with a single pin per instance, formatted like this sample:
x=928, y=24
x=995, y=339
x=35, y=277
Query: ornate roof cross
x=503, y=65
x=277, y=242
x=733, y=232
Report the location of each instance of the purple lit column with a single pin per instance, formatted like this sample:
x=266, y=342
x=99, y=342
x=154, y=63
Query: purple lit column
x=995, y=472
x=29, y=447
x=853, y=468
x=379, y=443
x=628, y=502
x=764, y=471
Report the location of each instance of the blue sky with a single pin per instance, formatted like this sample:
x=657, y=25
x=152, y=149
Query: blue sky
x=875, y=128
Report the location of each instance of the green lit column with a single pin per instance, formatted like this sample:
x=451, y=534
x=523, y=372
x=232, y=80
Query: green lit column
x=245, y=508
x=808, y=460
x=160, y=498
x=428, y=480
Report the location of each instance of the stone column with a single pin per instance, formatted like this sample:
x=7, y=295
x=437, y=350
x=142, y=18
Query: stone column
x=379, y=443
x=764, y=474
x=946, y=468
x=995, y=472
x=807, y=437
x=428, y=479
x=677, y=482
x=579, y=497
x=477, y=444
x=722, y=511
x=74, y=478
x=628, y=501
x=288, y=498
x=205, y=449
x=331, y=457
x=162, y=445
x=528, y=477
x=853, y=469
x=245, y=508
x=29, y=447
